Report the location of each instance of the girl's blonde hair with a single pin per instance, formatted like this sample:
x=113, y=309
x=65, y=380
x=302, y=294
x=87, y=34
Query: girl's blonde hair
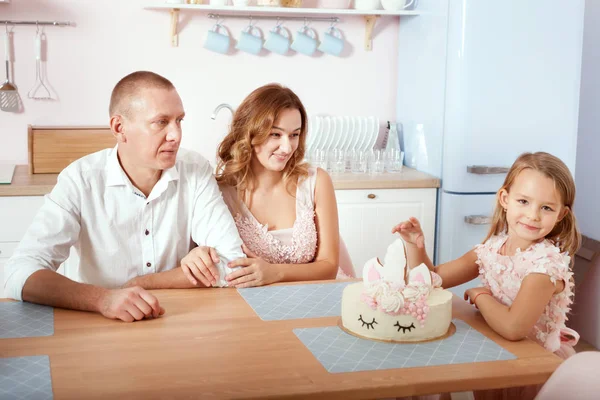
x=251, y=126
x=565, y=233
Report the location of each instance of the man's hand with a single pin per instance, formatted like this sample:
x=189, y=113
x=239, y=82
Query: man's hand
x=199, y=265
x=131, y=304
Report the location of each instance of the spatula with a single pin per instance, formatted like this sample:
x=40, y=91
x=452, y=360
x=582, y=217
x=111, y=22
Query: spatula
x=9, y=97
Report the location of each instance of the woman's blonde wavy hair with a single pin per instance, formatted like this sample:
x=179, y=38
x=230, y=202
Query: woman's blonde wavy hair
x=565, y=233
x=251, y=126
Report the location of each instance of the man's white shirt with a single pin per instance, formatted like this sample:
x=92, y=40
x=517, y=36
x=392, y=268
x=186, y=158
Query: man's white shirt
x=116, y=232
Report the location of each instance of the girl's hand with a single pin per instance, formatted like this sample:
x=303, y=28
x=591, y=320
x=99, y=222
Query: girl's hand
x=411, y=232
x=199, y=265
x=471, y=294
x=254, y=272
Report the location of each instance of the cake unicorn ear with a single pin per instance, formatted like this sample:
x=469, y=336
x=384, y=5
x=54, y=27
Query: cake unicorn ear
x=419, y=275
x=393, y=268
x=372, y=271
x=395, y=262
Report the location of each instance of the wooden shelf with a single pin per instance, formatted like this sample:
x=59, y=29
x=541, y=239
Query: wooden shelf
x=370, y=16
x=277, y=10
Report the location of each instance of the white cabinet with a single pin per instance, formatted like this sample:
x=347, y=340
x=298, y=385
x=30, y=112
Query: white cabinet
x=6, y=250
x=16, y=214
x=367, y=217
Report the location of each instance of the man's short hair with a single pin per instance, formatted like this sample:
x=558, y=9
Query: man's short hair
x=129, y=87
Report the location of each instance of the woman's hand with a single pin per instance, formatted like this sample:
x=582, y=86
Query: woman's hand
x=254, y=271
x=411, y=232
x=199, y=265
x=471, y=294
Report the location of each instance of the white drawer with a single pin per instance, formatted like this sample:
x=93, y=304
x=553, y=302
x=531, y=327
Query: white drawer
x=345, y=196
x=7, y=249
x=16, y=214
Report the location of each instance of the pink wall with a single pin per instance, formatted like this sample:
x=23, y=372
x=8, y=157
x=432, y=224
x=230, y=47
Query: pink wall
x=113, y=38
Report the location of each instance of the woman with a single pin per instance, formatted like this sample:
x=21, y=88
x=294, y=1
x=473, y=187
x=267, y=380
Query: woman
x=284, y=209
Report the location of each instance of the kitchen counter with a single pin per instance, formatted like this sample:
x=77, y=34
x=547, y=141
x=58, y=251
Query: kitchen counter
x=24, y=184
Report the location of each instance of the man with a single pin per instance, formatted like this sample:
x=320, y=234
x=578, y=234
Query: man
x=130, y=213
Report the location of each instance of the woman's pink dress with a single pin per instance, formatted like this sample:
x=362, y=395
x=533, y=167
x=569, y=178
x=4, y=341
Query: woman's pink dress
x=295, y=245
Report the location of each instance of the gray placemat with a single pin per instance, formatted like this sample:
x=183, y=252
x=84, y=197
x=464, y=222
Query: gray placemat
x=295, y=301
x=339, y=351
x=25, y=378
x=20, y=319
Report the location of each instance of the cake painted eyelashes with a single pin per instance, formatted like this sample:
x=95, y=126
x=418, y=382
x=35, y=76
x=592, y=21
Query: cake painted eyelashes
x=369, y=325
x=404, y=328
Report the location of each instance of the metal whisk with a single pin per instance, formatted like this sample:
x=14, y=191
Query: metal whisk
x=39, y=90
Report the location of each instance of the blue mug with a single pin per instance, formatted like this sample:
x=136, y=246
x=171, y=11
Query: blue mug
x=217, y=42
x=305, y=41
x=278, y=40
x=249, y=41
x=332, y=42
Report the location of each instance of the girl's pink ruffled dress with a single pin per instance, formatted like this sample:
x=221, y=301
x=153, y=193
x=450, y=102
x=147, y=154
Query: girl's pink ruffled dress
x=503, y=276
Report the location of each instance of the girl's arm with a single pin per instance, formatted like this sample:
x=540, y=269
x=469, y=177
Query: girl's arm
x=453, y=273
x=459, y=271
x=516, y=321
x=326, y=261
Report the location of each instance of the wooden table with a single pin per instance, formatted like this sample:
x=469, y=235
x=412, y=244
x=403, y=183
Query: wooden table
x=211, y=344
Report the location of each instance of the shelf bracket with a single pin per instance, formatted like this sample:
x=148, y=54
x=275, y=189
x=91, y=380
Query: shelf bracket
x=174, y=22
x=369, y=25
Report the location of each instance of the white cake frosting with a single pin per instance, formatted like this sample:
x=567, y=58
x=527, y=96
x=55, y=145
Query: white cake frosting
x=392, y=305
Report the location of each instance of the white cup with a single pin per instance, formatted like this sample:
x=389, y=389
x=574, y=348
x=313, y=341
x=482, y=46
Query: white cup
x=396, y=5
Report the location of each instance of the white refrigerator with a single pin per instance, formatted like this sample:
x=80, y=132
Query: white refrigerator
x=487, y=80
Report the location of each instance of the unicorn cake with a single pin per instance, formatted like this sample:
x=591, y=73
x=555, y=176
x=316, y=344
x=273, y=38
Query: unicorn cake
x=396, y=304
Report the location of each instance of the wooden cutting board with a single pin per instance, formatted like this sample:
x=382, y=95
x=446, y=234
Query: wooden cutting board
x=51, y=149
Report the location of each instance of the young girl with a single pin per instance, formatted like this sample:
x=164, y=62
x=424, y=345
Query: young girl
x=284, y=209
x=524, y=262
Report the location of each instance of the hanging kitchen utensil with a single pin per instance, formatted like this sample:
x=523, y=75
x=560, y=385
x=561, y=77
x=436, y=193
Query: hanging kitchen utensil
x=39, y=91
x=9, y=97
